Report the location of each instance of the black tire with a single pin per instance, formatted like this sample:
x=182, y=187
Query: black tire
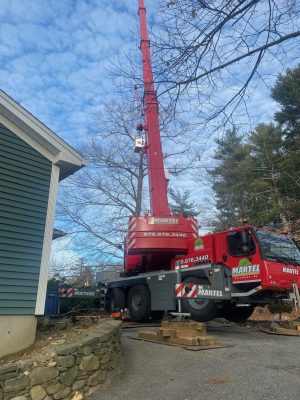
x=200, y=310
x=139, y=303
x=237, y=314
x=117, y=299
x=157, y=315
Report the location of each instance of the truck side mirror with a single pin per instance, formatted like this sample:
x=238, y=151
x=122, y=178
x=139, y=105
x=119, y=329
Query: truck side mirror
x=246, y=241
x=245, y=237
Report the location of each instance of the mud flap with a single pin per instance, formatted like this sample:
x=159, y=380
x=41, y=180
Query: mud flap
x=162, y=291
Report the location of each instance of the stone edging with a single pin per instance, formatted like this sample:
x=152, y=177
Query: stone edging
x=74, y=371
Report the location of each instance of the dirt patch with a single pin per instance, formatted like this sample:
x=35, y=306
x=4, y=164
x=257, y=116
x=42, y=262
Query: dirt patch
x=49, y=335
x=219, y=381
x=264, y=314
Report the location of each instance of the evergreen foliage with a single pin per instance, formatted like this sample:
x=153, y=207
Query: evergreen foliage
x=258, y=174
x=231, y=179
x=181, y=203
x=287, y=93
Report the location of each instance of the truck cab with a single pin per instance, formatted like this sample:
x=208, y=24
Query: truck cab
x=258, y=266
x=251, y=255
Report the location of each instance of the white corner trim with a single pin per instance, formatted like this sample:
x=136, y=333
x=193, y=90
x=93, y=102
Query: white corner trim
x=43, y=278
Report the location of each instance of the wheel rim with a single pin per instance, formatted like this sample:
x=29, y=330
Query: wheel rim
x=136, y=301
x=199, y=304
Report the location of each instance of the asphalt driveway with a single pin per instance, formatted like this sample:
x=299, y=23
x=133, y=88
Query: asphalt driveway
x=258, y=367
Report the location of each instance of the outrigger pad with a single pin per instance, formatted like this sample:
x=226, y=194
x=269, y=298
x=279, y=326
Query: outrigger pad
x=293, y=329
x=188, y=335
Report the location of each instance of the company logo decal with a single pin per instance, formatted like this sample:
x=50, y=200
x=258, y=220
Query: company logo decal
x=199, y=244
x=194, y=291
x=83, y=293
x=166, y=220
x=209, y=292
x=290, y=270
x=245, y=268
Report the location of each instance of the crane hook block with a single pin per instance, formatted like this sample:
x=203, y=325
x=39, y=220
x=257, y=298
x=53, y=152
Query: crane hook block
x=139, y=144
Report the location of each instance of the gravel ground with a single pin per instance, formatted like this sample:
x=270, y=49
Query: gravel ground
x=258, y=366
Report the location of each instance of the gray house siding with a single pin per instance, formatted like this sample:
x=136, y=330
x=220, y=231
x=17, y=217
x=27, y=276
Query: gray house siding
x=24, y=189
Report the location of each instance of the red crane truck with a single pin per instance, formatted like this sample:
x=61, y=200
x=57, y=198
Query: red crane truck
x=226, y=273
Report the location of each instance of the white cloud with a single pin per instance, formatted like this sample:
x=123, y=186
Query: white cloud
x=54, y=57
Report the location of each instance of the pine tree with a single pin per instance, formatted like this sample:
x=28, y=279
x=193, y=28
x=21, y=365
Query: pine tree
x=287, y=93
x=269, y=181
x=231, y=179
x=259, y=174
x=182, y=204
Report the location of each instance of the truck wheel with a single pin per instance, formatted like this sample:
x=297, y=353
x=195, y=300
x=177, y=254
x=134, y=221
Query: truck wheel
x=139, y=303
x=201, y=310
x=237, y=314
x=117, y=299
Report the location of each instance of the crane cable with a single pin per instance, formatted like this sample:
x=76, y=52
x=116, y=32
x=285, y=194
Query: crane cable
x=136, y=104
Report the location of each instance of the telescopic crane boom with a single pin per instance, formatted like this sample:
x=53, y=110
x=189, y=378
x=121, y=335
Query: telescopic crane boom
x=157, y=182
x=154, y=239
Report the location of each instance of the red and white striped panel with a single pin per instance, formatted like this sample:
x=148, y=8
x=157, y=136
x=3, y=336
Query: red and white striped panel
x=183, y=290
x=194, y=226
x=195, y=229
x=131, y=243
x=131, y=233
x=132, y=225
x=66, y=292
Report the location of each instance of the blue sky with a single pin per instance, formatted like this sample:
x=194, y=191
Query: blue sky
x=54, y=60
x=54, y=56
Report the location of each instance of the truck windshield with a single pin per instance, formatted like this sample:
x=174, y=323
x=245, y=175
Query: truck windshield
x=278, y=248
